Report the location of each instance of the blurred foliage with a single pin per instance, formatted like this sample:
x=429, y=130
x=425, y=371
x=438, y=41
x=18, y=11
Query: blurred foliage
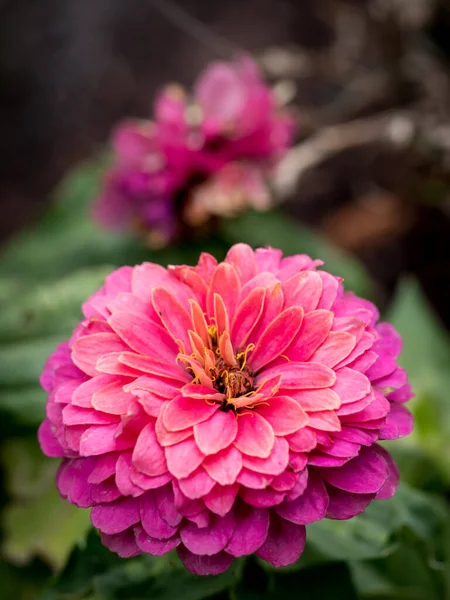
x=398, y=549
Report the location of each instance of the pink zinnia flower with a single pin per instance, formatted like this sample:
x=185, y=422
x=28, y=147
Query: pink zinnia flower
x=218, y=409
x=231, y=119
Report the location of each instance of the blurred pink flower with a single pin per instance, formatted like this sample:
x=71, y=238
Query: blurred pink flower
x=232, y=118
x=218, y=409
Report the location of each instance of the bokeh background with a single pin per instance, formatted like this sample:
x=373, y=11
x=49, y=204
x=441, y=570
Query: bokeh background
x=367, y=188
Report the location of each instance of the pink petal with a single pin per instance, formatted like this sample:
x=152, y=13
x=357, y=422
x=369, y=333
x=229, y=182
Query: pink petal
x=74, y=415
x=183, y=458
x=336, y=347
x=284, y=543
x=83, y=394
x=310, y=506
x=100, y=439
x=330, y=289
x=247, y=316
x=299, y=487
x=250, y=531
x=345, y=505
x=197, y=484
x=351, y=385
x=283, y=414
x=104, y=467
x=88, y=349
x=105, y=492
x=146, y=364
x=154, y=546
x=315, y=400
x=151, y=520
x=204, y=565
x=303, y=289
x=276, y=337
x=224, y=466
x=124, y=468
x=242, y=257
x=253, y=480
x=399, y=423
x=174, y=317
x=217, y=433
x=112, y=399
x=208, y=540
x=148, y=455
x=364, y=474
x=314, y=331
x=261, y=498
x=255, y=436
x=226, y=283
x=166, y=437
x=275, y=464
x=116, y=516
x=221, y=498
x=122, y=544
x=285, y=481
x=299, y=375
x=391, y=484
x=325, y=420
x=143, y=335
x=182, y=413
x=303, y=440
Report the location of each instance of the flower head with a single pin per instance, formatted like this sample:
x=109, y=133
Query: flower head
x=232, y=119
x=218, y=409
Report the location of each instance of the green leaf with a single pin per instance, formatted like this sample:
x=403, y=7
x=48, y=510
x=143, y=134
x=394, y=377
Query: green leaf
x=370, y=535
x=278, y=230
x=93, y=571
x=37, y=521
x=49, y=308
x=426, y=357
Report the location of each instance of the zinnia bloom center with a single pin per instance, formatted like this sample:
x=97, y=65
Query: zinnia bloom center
x=219, y=367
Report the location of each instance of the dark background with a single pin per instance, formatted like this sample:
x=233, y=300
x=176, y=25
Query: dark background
x=70, y=69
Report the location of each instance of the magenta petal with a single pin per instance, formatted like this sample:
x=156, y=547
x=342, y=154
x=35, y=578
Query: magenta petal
x=148, y=456
x=255, y=436
x=345, y=505
x=276, y=337
x=264, y=498
x=284, y=415
x=364, y=474
x=182, y=413
x=351, y=385
x=49, y=445
x=250, y=531
x=116, y=516
x=208, y=540
x=336, y=347
x=224, y=466
x=183, y=458
x=284, y=543
x=123, y=544
x=313, y=332
x=399, y=423
x=197, y=484
x=247, y=316
x=152, y=522
x=390, y=485
x=154, y=546
x=274, y=464
x=217, y=433
x=310, y=506
x=221, y=498
x=204, y=565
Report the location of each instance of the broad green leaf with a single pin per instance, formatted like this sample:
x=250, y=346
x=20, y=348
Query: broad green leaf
x=37, y=521
x=93, y=571
x=426, y=357
x=49, y=308
x=278, y=230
